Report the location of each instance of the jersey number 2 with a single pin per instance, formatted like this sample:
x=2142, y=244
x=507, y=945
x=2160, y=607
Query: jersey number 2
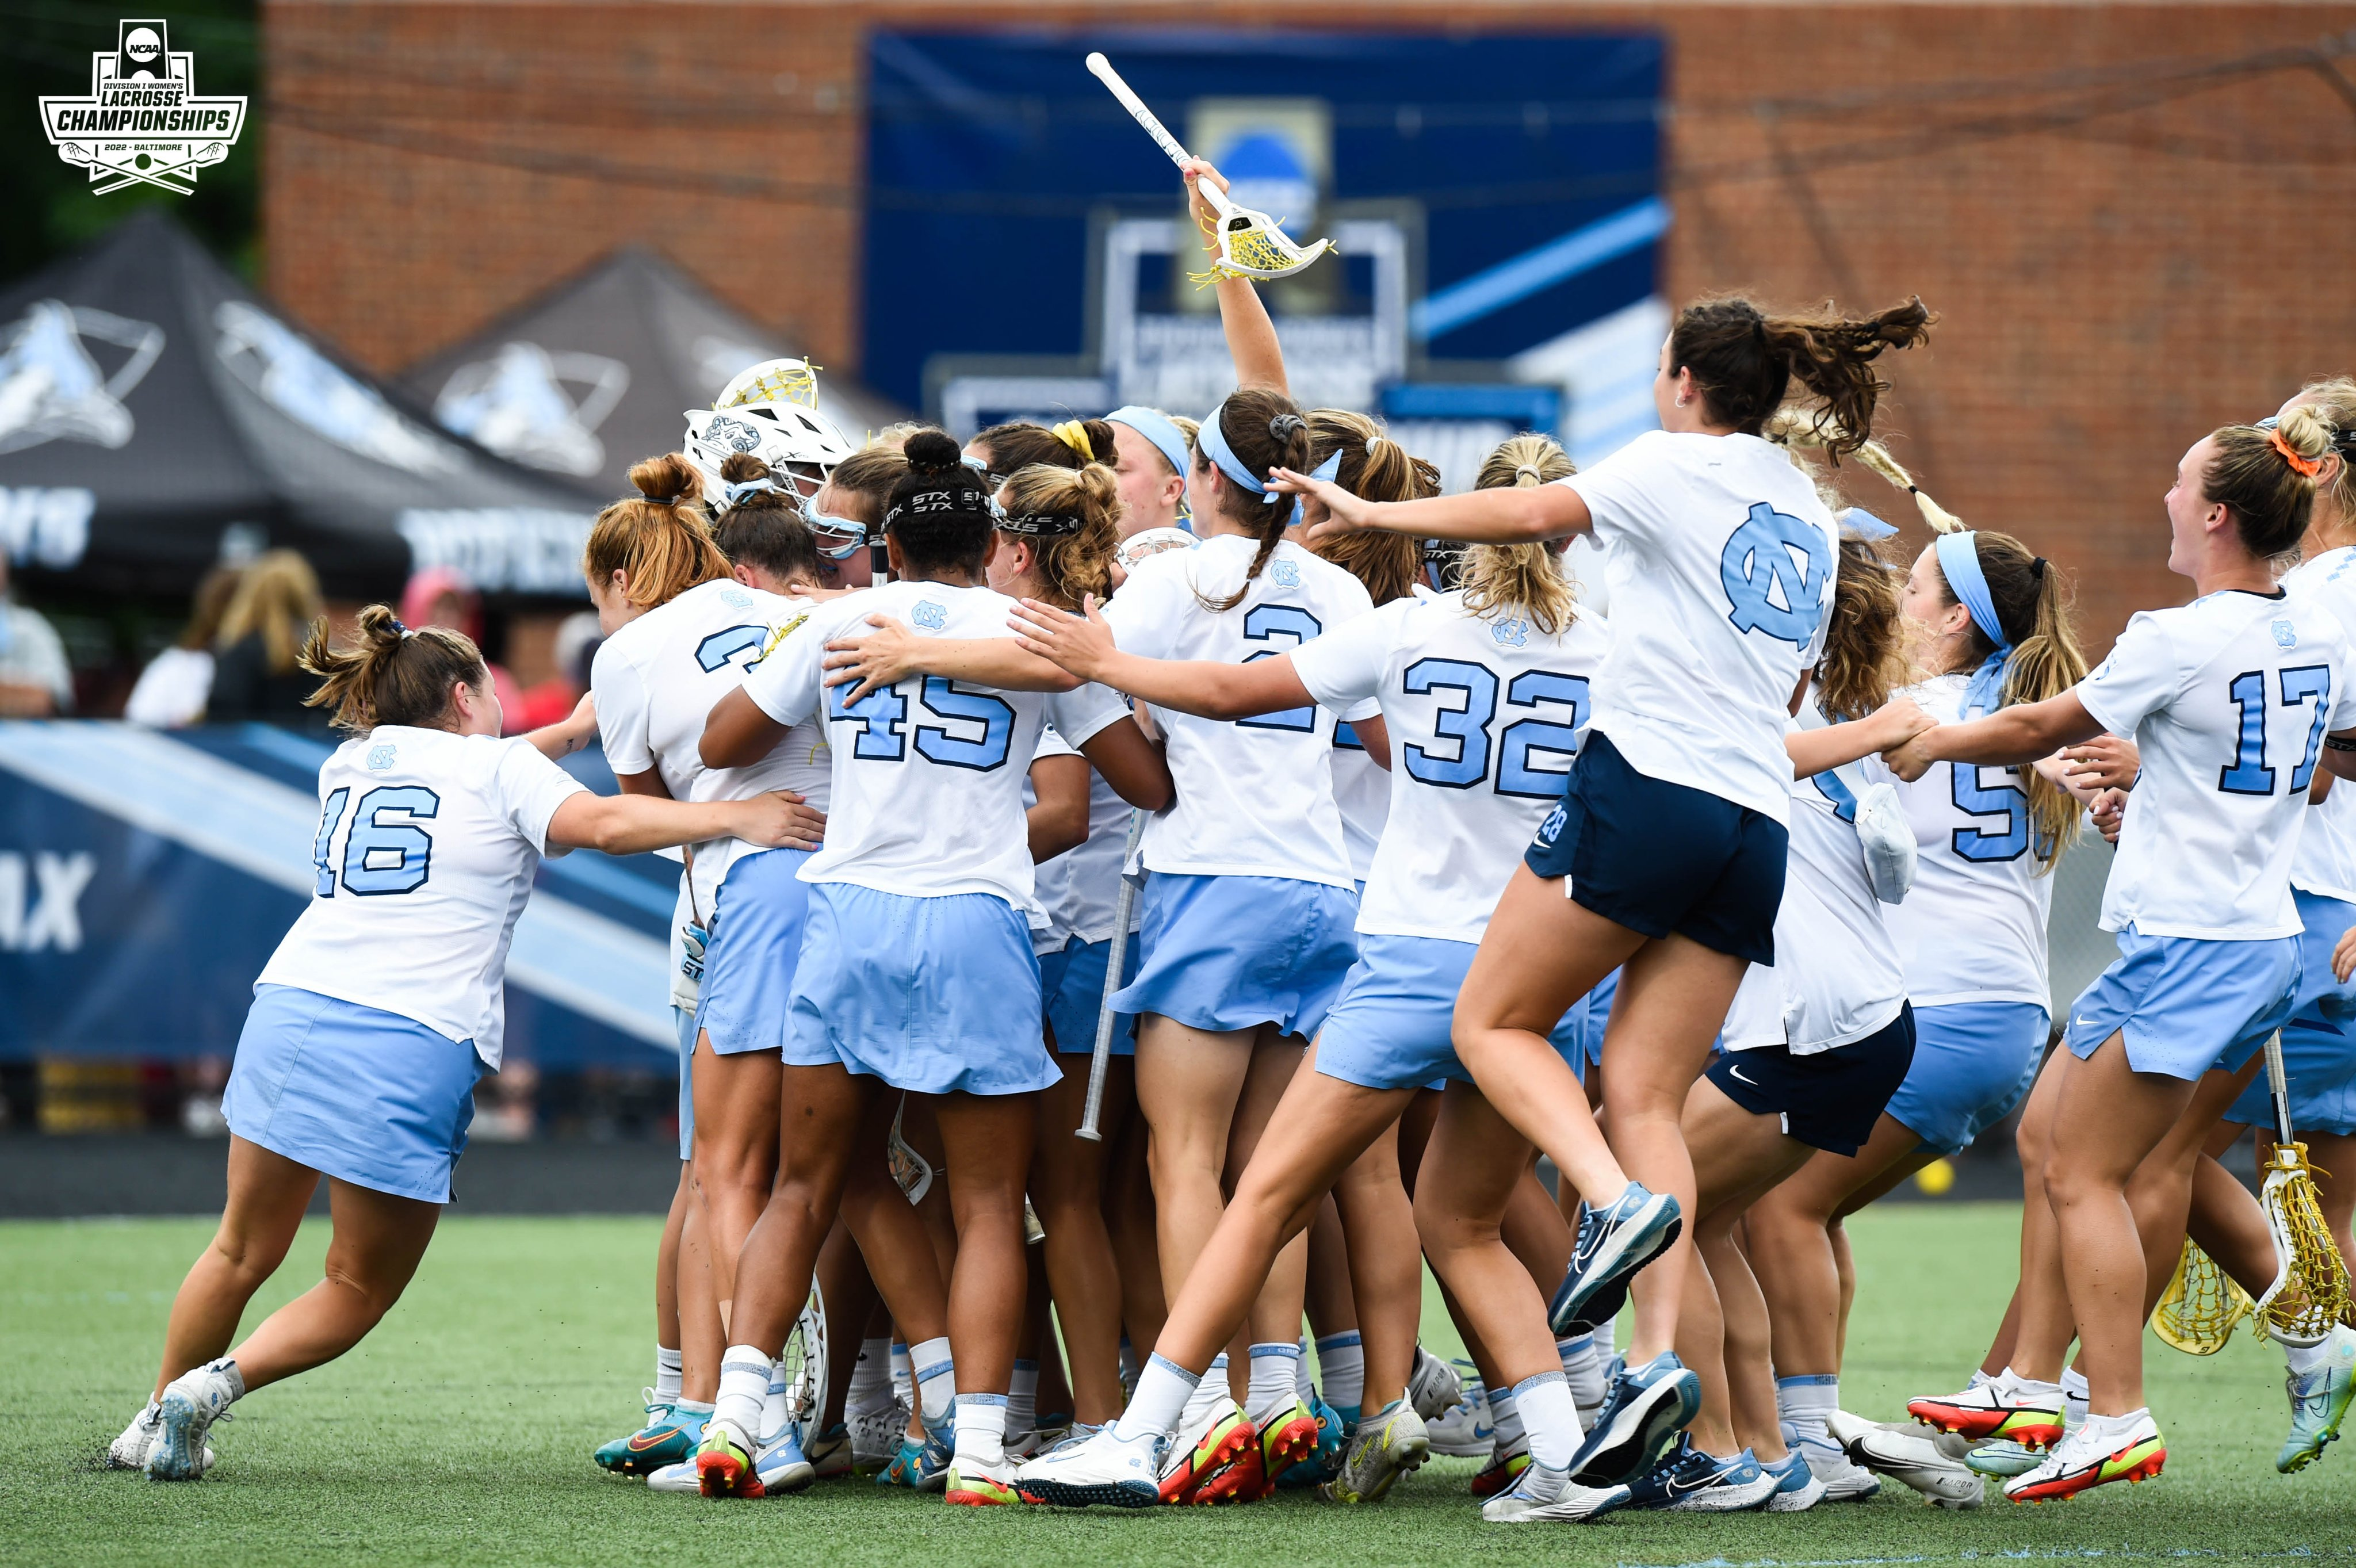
x=379, y=856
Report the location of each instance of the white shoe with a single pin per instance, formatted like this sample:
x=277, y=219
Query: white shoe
x=1930, y=1463
x=1845, y=1480
x=1541, y=1495
x=1200, y=1464
x=1100, y=1468
x=129, y=1452
x=1432, y=1386
x=2003, y=1458
x=1464, y=1429
x=876, y=1436
x=680, y=1478
x=191, y=1403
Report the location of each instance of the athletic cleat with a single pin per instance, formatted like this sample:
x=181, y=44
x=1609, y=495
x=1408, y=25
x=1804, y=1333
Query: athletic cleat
x=1541, y=1495
x=1433, y=1385
x=1288, y=1438
x=1613, y=1243
x=2319, y=1401
x=1690, y=1481
x=1935, y=1464
x=2030, y=1413
x=973, y=1484
x=668, y=1437
x=723, y=1462
x=1846, y=1481
x=2095, y=1455
x=1640, y=1424
x=191, y=1403
x=1097, y=1469
x=2003, y=1458
x=1387, y=1445
x=1797, y=1488
x=1464, y=1429
x=1322, y=1462
x=1206, y=1453
x=1505, y=1467
x=1243, y=1479
x=129, y=1452
x=875, y=1437
x=829, y=1452
x=681, y=1477
x=923, y=1462
x=781, y=1465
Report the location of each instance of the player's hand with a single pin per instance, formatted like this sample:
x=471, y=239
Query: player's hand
x=880, y=658
x=2106, y=762
x=1898, y=721
x=1913, y=759
x=1328, y=510
x=1206, y=220
x=1079, y=645
x=2109, y=813
x=780, y=820
x=2343, y=957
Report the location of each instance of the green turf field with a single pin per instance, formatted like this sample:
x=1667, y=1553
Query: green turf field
x=461, y=1433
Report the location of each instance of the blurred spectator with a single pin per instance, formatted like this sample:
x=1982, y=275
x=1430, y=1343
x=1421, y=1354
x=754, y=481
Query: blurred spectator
x=554, y=698
x=440, y=597
x=262, y=628
x=177, y=683
x=35, y=681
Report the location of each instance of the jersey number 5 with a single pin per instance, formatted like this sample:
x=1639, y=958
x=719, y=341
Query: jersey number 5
x=379, y=856
x=2248, y=774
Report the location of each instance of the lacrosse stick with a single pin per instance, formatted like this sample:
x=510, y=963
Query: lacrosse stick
x=1250, y=243
x=1115, y=961
x=2197, y=1313
x=2311, y=1288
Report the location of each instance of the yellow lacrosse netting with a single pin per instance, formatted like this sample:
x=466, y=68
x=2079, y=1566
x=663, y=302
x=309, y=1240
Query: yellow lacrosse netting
x=784, y=384
x=2310, y=1292
x=1246, y=248
x=2197, y=1313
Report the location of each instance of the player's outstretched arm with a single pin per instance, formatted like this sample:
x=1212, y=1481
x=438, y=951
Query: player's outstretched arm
x=891, y=652
x=633, y=824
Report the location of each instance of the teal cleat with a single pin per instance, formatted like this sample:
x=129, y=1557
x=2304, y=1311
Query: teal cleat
x=1324, y=1461
x=921, y=1463
x=2319, y=1401
x=668, y=1437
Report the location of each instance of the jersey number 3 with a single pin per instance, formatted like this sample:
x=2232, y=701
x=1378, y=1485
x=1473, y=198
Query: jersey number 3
x=380, y=856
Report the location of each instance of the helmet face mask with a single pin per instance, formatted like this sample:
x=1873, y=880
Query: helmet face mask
x=767, y=410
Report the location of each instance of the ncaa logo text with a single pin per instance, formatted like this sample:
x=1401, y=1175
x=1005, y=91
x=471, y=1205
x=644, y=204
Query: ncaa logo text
x=142, y=122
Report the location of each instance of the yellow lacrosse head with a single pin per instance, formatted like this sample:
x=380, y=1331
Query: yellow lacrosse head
x=2310, y=1290
x=2200, y=1306
x=773, y=381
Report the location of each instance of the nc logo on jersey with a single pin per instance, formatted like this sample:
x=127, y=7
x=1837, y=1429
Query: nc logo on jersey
x=1284, y=575
x=2286, y=634
x=379, y=760
x=1513, y=633
x=1772, y=588
x=735, y=598
x=929, y=616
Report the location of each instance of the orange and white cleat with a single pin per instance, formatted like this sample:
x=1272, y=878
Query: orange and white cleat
x=2120, y=1448
x=724, y=1463
x=2026, y=1412
x=1201, y=1462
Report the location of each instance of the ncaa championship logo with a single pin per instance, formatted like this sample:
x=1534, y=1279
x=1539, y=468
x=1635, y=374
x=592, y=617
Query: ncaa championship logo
x=142, y=122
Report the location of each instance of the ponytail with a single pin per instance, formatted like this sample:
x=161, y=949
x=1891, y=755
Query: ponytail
x=2267, y=477
x=1795, y=431
x=658, y=538
x=1744, y=362
x=1072, y=519
x=1256, y=429
x=1865, y=645
x=1502, y=582
x=391, y=675
x=1373, y=467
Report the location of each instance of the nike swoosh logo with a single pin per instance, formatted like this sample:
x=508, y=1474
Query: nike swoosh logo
x=642, y=1441
x=1737, y=1072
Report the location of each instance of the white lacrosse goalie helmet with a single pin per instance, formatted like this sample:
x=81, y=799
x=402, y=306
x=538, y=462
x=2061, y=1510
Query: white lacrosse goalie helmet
x=770, y=411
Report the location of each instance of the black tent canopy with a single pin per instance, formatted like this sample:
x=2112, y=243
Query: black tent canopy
x=154, y=411
x=595, y=374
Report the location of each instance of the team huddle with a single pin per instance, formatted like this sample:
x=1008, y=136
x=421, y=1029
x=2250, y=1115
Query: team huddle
x=1149, y=888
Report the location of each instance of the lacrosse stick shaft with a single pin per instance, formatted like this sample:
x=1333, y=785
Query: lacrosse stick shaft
x=1104, y=72
x=2278, y=1085
x=1116, y=960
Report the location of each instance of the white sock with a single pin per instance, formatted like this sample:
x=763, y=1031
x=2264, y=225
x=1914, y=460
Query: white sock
x=1164, y=1388
x=1551, y=1418
x=1803, y=1402
x=1980, y=1380
x=1583, y=1369
x=1607, y=1340
x=1129, y=1367
x=692, y=1407
x=1022, y=1397
x=2103, y=1428
x=2075, y=1396
x=668, y=1374
x=870, y=1379
x=936, y=1373
x=2028, y=1385
x=744, y=1387
x=773, y=1407
x=904, y=1378
x=2304, y=1359
x=1342, y=1367
x=1302, y=1389
x=1272, y=1369
x=1207, y=1393
x=1504, y=1420
x=982, y=1429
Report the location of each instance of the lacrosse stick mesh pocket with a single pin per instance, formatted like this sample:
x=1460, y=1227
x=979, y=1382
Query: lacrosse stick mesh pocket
x=2198, y=1312
x=2311, y=1288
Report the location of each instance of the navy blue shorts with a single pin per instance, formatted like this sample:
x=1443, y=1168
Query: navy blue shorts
x=1659, y=858
x=1828, y=1099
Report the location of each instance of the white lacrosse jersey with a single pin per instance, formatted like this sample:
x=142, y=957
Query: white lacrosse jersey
x=930, y=773
x=1972, y=929
x=1721, y=563
x=2326, y=860
x=1080, y=889
x=1837, y=977
x=427, y=845
x=1485, y=719
x=1361, y=793
x=1255, y=796
x=2228, y=699
x=657, y=679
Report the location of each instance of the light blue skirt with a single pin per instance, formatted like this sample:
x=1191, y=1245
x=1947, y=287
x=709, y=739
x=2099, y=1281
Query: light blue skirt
x=363, y=1095
x=932, y=995
x=2186, y=1003
x=1390, y=1028
x=1973, y=1063
x=1234, y=952
x=1072, y=980
x=2319, y=1041
x=756, y=941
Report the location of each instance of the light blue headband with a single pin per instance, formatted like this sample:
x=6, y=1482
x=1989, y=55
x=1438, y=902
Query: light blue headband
x=1157, y=427
x=1959, y=561
x=1213, y=443
x=1865, y=525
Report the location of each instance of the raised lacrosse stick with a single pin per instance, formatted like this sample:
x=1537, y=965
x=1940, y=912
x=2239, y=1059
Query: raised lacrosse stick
x=1115, y=961
x=1250, y=243
x=2311, y=1288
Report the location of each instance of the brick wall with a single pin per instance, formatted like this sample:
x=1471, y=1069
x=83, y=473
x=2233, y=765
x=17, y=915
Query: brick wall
x=2134, y=219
